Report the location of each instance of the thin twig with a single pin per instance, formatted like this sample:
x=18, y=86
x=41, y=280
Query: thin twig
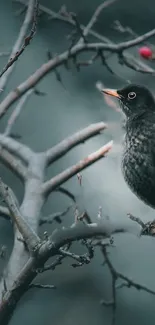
x=94, y=18
x=13, y=163
x=57, y=73
x=136, y=219
x=66, y=192
x=81, y=259
x=16, y=148
x=82, y=231
x=42, y=286
x=126, y=282
x=61, y=59
x=54, y=217
x=78, y=27
x=130, y=63
x=17, y=112
x=53, y=265
x=30, y=237
x=75, y=139
x=58, y=180
x=67, y=19
x=17, y=50
x=49, y=248
x=147, y=229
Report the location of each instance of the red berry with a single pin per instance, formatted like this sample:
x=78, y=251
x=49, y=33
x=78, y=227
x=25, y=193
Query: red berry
x=145, y=52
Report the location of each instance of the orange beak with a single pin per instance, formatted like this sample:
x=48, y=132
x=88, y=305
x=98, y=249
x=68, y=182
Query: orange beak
x=111, y=92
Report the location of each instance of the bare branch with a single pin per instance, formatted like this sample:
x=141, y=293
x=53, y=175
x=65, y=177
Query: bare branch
x=68, y=19
x=123, y=29
x=86, y=63
x=138, y=220
x=62, y=59
x=79, y=137
x=126, y=29
x=66, y=192
x=19, y=275
x=81, y=259
x=17, y=112
x=13, y=163
x=132, y=64
x=78, y=27
x=53, y=265
x=147, y=229
x=84, y=216
x=126, y=282
x=30, y=237
x=49, y=248
x=94, y=18
x=42, y=286
x=54, y=217
x=58, y=180
x=32, y=12
x=130, y=283
x=57, y=73
x=15, y=147
x=143, y=67
x=83, y=231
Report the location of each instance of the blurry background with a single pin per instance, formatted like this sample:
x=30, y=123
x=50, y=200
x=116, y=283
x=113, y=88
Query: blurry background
x=47, y=120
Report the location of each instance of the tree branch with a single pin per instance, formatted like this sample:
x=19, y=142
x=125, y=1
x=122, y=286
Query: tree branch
x=15, y=147
x=48, y=249
x=17, y=50
x=59, y=179
x=62, y=59
x=41, y=286
x=81, y=259
x=14, y=164
x=54, y=217
x=18, y=279
x=90, y=25
x=80, y=230
x=147, y=229
x=67, y=144
x=17, y=112
x=127, y=282
x=30, y=237
x=140, y=65
x=66, y=192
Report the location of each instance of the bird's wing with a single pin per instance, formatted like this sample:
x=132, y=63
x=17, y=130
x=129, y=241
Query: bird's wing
x=145, y=156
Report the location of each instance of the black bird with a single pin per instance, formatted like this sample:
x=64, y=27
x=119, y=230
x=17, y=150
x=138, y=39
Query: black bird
x=138, y=159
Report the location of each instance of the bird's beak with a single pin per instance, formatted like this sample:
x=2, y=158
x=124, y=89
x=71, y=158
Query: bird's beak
x=111, y=92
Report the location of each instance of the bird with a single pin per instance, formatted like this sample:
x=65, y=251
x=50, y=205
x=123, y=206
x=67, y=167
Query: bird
x=138, y=154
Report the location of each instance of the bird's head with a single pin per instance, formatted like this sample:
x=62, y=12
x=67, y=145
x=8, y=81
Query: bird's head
x=134, y=99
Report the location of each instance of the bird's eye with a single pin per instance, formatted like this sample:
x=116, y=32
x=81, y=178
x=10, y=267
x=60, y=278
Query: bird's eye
x=131, y=95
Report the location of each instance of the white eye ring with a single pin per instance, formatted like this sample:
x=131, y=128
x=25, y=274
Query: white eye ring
x=132, y=95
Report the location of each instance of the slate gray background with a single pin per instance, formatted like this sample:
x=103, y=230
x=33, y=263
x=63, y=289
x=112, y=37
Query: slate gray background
x=47, y=120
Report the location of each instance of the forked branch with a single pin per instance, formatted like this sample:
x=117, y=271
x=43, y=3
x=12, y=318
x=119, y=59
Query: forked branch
x=67, y=144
